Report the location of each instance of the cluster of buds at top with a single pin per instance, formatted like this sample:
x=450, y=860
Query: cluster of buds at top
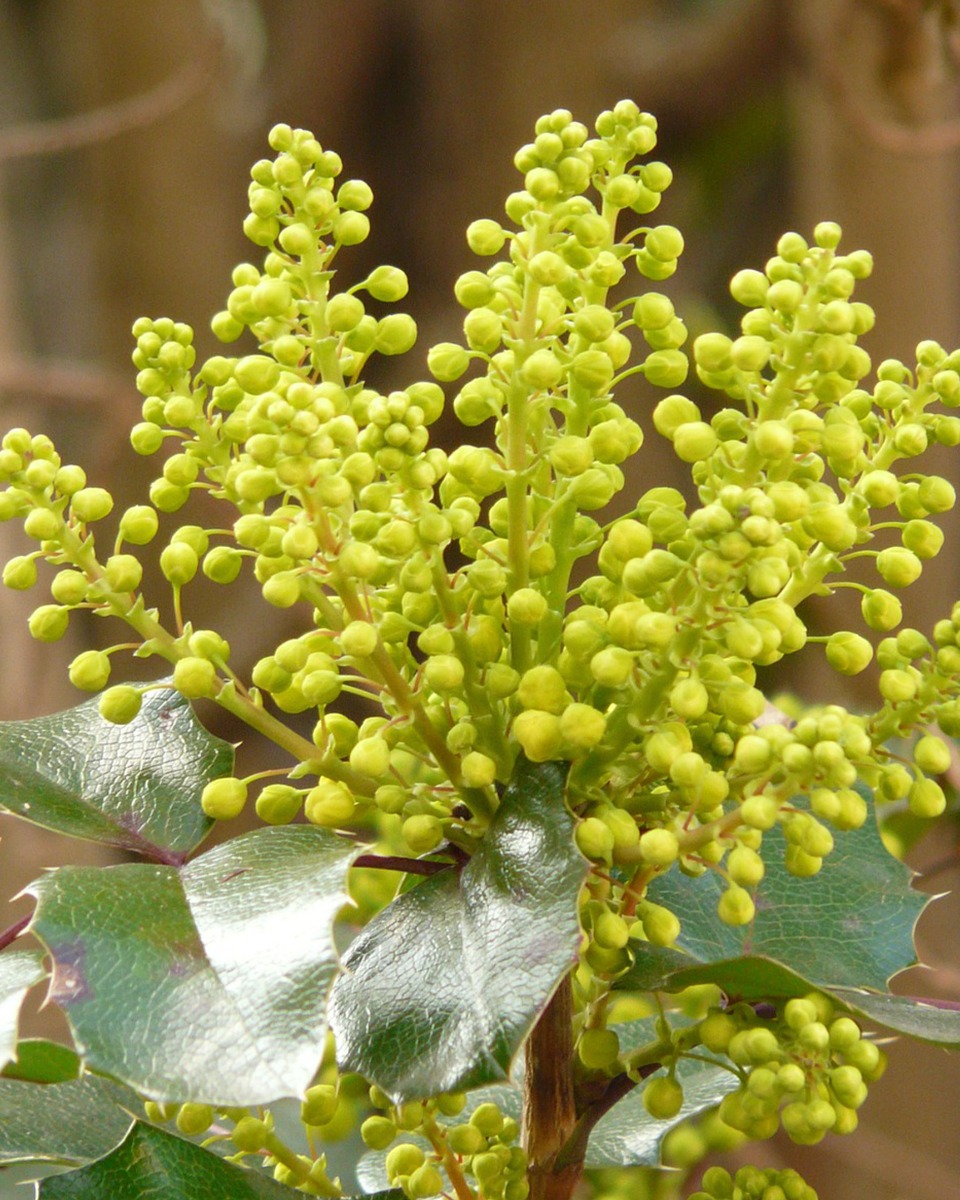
x=444, y=586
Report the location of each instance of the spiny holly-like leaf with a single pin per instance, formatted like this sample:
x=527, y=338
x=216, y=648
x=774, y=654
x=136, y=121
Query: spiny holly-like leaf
x=41, y=1061
x=928, y=1020
x=440, y=989
x=752, y=977
x=207, y=982
x=19, y=971
x=850, y=925
x=136, y=786
x=70, y=1123
x=151, y=1162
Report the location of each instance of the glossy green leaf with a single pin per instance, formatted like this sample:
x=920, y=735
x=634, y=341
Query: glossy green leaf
x=850, y=925
x=40, y=1061
x=151, y=1162
x=19, y=971
x=440, y=989
x=927, y=1020
x=136, y=786
x=207, y=982
x=70, y=1123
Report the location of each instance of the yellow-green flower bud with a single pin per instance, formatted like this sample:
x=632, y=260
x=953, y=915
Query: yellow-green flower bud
x=881, y=610
x=224, y=798
x=319, y=1105
x=784, y=296
x=899, y=566
x=926, y=798
x=69, y=587
x=922, y=538
x=932, y=755
x=90, y=504
x=653, y=311
x=745, y=866
x=378, y=1132
x=663, y=1098
x=423, y=833
x=598, y=1049
x=282, y=590
x=659, y=847
x=222, y=564
x=249, y=1135
x=478, y=770
x=610, y=930
x=595, y=839
x=403, y=1160
x=488, y=1118
x=329, y=804
x=193, y=1119
x=666, y=368
x=736, y=906
x=138, y=525
x=67, y=480
x=48, y=623
x=527, y=607
x=123, y=572
x=466, y=1140
x=749, y=288
x=424, y=1182
x=195, y=677
x=486, y=237
x=936, y=494
x=694, y=441
x=542, y=370
x=179, y=563
x=21, y=573
x=542, y=687
x=278, y=803
x=120, y=704
x=612, y=667
x=358, y=639
x=539, y=734
x=582, y=727
x=848, y=653
x=371, y=757
x=447, y=361
x=90, y=670
x=660, y=926
x=42, y=524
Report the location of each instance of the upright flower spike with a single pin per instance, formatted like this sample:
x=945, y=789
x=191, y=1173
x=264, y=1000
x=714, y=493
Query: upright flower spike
x=519, y=667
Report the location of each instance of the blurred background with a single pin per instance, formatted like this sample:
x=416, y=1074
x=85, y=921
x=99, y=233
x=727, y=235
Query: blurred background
x=126, y=136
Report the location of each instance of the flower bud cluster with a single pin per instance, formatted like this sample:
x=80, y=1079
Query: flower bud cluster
x=806, y=1068
x=441, y=585
x=481, y=1148
x=753, y=1183
x=256, y=1135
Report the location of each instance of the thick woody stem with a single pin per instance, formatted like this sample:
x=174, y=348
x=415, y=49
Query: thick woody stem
x=549, y=1108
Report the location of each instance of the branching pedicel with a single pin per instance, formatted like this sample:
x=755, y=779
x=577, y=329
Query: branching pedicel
x=440, y=594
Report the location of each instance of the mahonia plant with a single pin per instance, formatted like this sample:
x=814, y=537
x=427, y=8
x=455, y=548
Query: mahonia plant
x=540, y=882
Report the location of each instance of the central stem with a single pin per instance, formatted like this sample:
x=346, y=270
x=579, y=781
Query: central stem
x=549, y=1108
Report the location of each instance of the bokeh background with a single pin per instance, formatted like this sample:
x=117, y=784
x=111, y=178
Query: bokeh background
x=126, y=135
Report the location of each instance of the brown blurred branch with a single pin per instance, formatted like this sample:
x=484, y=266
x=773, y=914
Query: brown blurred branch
x=100, y=124
x=917, y=40
x=58, y=384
